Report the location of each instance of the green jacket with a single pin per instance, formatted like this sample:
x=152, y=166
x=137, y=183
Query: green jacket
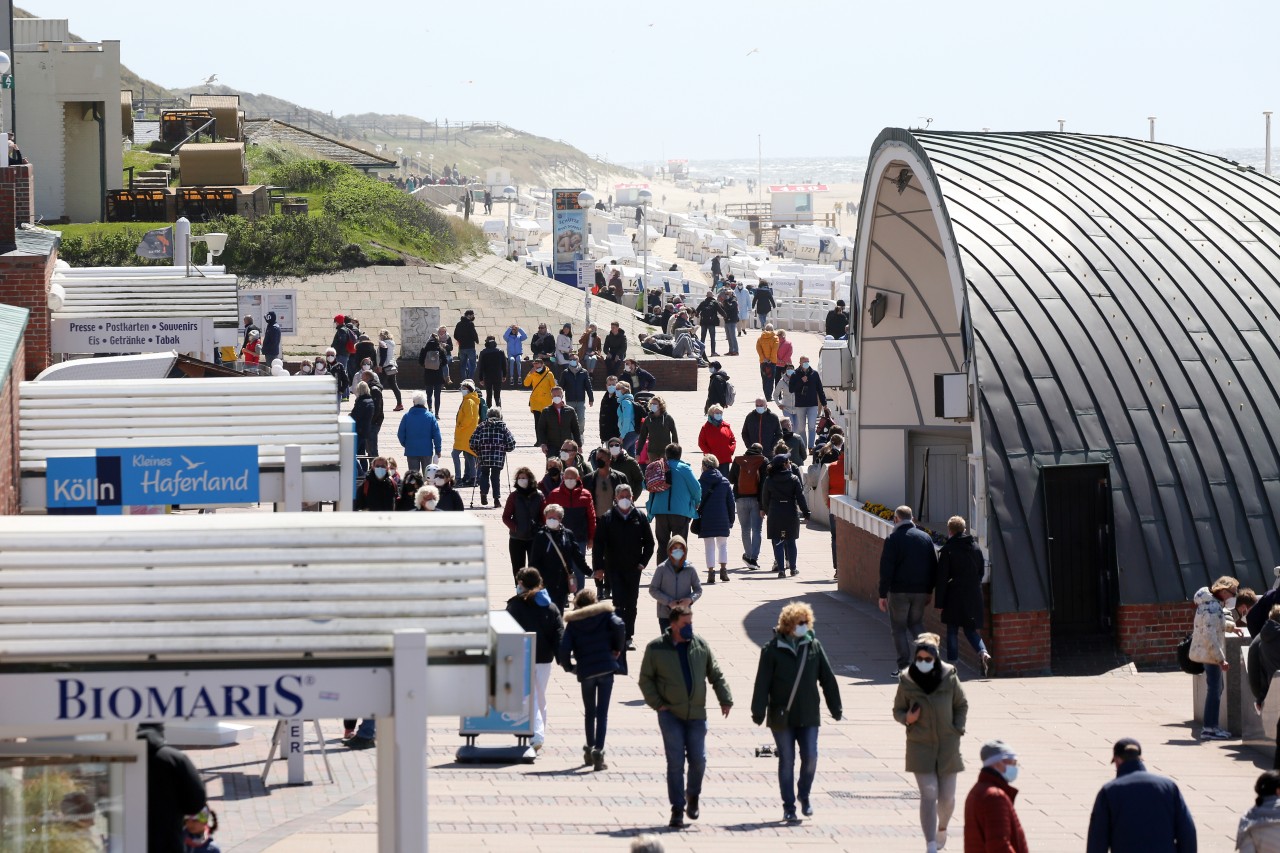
x=933, y=742
x=662, y=682
x=776, y=677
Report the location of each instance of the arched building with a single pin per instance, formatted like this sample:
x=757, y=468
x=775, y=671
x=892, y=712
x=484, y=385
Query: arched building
x=1100, y=315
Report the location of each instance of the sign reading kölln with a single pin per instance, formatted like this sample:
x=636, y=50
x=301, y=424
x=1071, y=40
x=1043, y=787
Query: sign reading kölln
x=151, y=476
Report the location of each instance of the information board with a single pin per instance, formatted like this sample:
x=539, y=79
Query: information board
x=283, y=301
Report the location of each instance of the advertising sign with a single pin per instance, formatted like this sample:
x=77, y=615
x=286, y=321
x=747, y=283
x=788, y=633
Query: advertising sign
x=501, y=723
x=116, y=336
x=156, y=244
x=568, y=235
x=311, y=693
x=284, y=301
x=151, y=476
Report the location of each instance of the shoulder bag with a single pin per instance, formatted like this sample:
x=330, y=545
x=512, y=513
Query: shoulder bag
x=568, y=575
x=780, y=720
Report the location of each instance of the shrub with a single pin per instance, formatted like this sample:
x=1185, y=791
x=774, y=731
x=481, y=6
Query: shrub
x=281, y=245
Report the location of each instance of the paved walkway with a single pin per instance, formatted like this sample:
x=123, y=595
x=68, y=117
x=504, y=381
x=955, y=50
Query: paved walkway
x=1061, y=727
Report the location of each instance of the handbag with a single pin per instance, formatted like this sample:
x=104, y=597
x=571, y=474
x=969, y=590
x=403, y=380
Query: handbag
x=1185, y=663
x=695, y=526
x=643, y=458
x=781, y=720
x=568, y=575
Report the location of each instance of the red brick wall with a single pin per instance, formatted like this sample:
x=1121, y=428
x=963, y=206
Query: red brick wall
x=10, y=496
x=24, y=281
x=1020, y=642
x=1148, y=633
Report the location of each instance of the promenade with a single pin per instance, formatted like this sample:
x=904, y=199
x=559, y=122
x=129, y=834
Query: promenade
x=1061, y=727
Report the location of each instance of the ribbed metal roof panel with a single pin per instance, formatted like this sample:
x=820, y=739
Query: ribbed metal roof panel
x=1122, y=297
x=13, y=323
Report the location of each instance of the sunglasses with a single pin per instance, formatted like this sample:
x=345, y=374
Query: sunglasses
x=925, y=659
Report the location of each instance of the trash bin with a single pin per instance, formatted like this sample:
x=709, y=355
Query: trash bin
x=297, y=206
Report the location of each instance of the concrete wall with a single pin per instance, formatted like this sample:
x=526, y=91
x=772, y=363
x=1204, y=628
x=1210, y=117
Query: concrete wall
x=60, y=83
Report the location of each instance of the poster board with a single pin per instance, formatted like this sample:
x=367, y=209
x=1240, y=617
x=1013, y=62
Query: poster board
x=283, y=301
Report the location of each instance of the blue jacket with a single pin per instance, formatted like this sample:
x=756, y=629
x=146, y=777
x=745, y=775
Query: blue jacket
x=592, y=635
x=908, y=563
x=1137, y=812
x=577, y=386
x=419, y=432
x=683, y=496
x=515, y=343
x=718, y=506
x=808, y=393
x=626, y=414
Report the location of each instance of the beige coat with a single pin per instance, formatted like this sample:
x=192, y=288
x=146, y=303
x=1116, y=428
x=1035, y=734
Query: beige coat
x=933, y=741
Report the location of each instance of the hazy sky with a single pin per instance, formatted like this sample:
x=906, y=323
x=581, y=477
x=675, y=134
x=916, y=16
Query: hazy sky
x=674, y=78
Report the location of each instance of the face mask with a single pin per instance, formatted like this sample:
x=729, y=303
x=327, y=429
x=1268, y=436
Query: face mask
x=553, y=524
x=380, y=472
x=602, y=462
x=366, y=366
x=1229, y=604
x=677, y=554
x=924, y=666
x=760, y=410
x=614, y=450
x=717, y=418
x=613, y=389
x=329, y=357
x=624, y=504
x=653, y=407
x=557, y=400
x=430, y=504
x=800, y=630
x=438, y=481
x=539, y=369
x=1010, y=773
x=686, y=631
x=570, y=483
x=786, y=430
x=306, y=368
x=523, y=482
x=566, y=455
x=571, y=363
x=804, y=365
x=791, y=371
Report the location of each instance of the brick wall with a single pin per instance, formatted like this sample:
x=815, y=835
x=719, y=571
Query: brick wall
x=10, y=494
x=24, y=279
x=1020, y=642
x=1148, y=633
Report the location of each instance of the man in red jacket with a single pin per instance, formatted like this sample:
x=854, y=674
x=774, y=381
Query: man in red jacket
x=990, y=823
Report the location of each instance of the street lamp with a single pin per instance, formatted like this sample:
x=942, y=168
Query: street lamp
x=644, y=197
x=585, y=201
x=510, y=195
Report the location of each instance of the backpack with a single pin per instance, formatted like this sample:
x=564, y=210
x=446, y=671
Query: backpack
x=349, y=340
x=431, y=359
x=1185, y=663
x=750, y=480
x=730, y=394
x=655, y=476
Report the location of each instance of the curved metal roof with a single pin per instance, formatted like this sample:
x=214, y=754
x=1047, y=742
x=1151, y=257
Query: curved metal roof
x=1123, y=300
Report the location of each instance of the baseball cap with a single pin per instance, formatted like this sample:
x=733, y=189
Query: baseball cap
x=1126, y=748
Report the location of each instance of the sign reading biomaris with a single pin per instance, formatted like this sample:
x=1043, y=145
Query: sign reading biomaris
x=152, y=476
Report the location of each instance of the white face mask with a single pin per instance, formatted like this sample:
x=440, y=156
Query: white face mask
x=430, y=504
x=677, y=554
x=557, y=400
x=615, y=450
x=624, y=504
x=570, y=483
x=924, y=665
x=438, y=481
x=553, y=524
x=523, y=482
x=1229, y=604
x=566, y=455
x=653, y=407
x=800, y=630
x=760, y=410
x=330, y=357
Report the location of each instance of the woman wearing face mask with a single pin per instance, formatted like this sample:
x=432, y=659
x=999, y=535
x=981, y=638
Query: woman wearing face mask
x=551, y=478
x=533, y=609
x=716, y=513
x=592, y=648
x=305, y=368
x=1209, y=646
x=539, y=381
x=783, y=505
x=377, y=492
x=555, y=555
x=413, y=481
x=657, y=431
x=628, y=417
x=564, y=344
x=785, y=347
x=931, y=704
x=717, y=438
x=338, y=371
x=450, y=500
x=675, y=581
x=427, y=499
x=792, y=667
x=578, y=507
x=521, y=516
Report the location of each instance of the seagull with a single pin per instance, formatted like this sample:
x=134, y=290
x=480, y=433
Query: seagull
x=753, y=50
x=190, y=465
x=209, y=81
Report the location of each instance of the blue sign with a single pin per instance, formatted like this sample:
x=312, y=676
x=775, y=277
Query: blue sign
x=152, y=476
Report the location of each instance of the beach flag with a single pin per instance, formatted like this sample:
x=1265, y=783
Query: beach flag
x=156, y=244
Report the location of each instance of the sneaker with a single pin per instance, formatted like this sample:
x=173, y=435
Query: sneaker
x=806, y=808
x=677, y=818
x=782, y=573
x=986, y=665
x=897, y=672
x=1214, y=734
x=358, y=742
x=789, y=814
x=691, y=808
x=794, y=571
x=348, y=734
x=631, y=645
x=537, y=742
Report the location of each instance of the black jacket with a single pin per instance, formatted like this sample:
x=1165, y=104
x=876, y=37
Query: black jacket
x=465, y=334
x=491, y=364
x=592, y=636
x=554, y=428
x=709, y=311
x=1140, y=812
x=555, y=575
x=615, y=344
x=837, y=323
x=362, y=414
x=959, y=590
x=450, y=500
x=376, y=495
x=807, y=386
x=365, y=349
x=608, y=417
x=1264, y=659
x=174, y=790
x=718, y=390
x=271, y=339
x=764, y=430
x=622, y=544
x=543, y=619
x=523, y=512
x=781, y=496
x=542, y=343
x=1257, y=615
x=732, y=314
x=763, y=301
x=908, y=563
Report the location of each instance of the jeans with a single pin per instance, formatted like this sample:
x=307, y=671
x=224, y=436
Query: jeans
x=513, y=368
x=906, y=622
x=703, y=333
x=953, y=641
x=937, y=802
x=712, y=544
x=541, y=678
x=629, y=442
x=683, y=739
x=1213, y=696
x=731, y=332
x=468, y=359
x=489, y=476
x=749, y=522
x=459, y=466
x=806, y=423
x=762, y=319
x=595, y=708
x=806, y=738
x=784, y=552
x=666, y=525
x=519, y=550
x=371, y=442
x=768, y=372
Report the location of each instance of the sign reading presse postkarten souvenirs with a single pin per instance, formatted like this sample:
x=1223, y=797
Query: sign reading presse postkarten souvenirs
x=151, y=476
x=114, y=336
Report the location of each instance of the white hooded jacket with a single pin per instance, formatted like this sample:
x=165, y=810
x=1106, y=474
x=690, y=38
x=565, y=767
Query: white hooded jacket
x=1208, y=633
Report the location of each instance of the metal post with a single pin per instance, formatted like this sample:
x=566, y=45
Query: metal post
x=346, y=466
x=1266, y=169
x=1061, y=124
x=1152, y=121
x=182, y=241
x=759, y=170
x=402, y=749
x=293, y=478
x=644, y=241
x=509, y=249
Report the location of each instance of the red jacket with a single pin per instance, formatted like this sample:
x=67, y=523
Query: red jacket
x=579, y=511
x=990, y=823
x=718, y=439
x=835, y=479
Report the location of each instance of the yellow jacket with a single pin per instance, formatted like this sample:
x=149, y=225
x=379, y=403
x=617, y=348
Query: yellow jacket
x=541, y=383
x=767, y=347
x=468, y=418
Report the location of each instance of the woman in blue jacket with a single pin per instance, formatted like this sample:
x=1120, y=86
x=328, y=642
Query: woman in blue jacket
x=592, y=647
x=673, y=509
x=715, y=516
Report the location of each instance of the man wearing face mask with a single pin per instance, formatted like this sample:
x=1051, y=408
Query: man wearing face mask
x=792, y=667
x=761, y=426
x=990, y=821
x=908, y=573
x=558, y=423
x=377, y=493
x=806, y=385
x=578, y=392
x=673, y=679
x=540, y=383
x=623, y=547
x=626, y=465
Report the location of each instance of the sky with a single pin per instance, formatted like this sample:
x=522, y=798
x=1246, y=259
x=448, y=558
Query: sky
x=703, y=79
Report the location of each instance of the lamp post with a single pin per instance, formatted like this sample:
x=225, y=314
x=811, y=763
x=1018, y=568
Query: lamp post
x=645, y=197
x=509, y=193
x=400, y=161
x=585, y=201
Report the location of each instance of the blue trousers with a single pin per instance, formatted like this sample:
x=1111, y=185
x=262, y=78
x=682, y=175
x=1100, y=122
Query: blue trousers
x=787, y=741
x=595, y=708
x=953, y=641
x=1213, y=696
x=468, y=359
x=683, y=740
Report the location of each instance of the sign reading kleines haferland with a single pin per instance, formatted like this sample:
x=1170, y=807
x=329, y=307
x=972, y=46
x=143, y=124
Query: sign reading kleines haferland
x=152, y=476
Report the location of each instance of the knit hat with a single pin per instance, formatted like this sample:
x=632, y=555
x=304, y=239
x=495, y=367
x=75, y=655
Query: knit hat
x=995, y=751
x=1126, y=748
x=339, y=318
x=929, y=643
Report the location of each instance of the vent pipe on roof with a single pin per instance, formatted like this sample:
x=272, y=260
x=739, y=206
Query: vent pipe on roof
x=1152, y=121
x=1266, y=169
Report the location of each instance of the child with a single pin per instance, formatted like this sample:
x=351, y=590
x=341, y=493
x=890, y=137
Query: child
x=197, y=834
x=250, y=354
x=393, y=471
